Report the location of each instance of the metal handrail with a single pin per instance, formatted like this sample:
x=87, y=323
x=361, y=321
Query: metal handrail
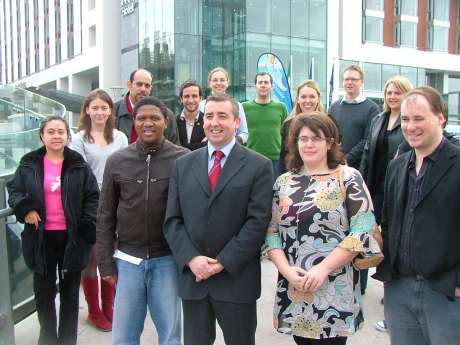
x=6, y=212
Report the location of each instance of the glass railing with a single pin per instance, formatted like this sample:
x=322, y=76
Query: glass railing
x=21, y=112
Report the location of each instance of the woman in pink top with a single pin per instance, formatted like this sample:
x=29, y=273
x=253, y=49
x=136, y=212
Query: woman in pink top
x=55, y=194
x=96, y=140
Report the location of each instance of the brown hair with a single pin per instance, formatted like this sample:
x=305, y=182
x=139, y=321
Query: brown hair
x=355, y=68
x=189, y=83
x=314, y=85
x=433, y=97
x=85, y=120
x=320, y=124
x=401, y=83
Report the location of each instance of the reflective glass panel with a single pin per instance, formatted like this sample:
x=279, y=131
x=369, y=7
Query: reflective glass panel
x=372, y=76
x=388, y=71
x=258, y=14
x=408, y=7
x=410, y=73
x=376, y=5
x=374, y=29
x=408, y=34
x=281, y=16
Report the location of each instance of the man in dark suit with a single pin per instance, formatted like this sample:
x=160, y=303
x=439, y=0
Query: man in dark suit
x=190, y=120
x=420, y=229
x=218, y=211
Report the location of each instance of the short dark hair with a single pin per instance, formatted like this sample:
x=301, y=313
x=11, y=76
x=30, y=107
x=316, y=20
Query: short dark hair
x=151, y=101
x=133, y=74
x=190, y=83
x=47, y=120
x=260, y=74
x=433, y=97
x=355, y=68
x=224, y=98
x=317, y=122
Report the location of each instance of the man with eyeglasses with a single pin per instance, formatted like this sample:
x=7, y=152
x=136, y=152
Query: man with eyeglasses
x=353, y=115
x=139, y=86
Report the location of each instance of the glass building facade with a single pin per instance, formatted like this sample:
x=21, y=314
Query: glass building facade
x=185, y=39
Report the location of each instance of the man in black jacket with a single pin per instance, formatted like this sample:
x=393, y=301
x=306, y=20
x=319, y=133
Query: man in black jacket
x=190, y=120
x=139, y=86
x=421, y=269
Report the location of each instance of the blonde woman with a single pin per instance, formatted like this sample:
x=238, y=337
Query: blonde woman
x=308, y=99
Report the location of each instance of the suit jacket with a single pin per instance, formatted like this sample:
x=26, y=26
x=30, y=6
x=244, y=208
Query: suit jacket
x=229, y=224
x=437, y=234
x=196, y=140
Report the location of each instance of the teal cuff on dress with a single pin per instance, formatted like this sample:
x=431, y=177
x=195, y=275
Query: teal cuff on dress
x=273, y=241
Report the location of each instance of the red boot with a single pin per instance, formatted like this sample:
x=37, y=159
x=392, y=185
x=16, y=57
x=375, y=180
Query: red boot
x=95, y=315
x=107, y=296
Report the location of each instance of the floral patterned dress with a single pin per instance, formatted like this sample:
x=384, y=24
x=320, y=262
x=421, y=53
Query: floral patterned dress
x=311, y=216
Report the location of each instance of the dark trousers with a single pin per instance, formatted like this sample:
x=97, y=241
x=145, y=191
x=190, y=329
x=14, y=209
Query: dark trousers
x=326, y=341
x=238, y=321
x=45, y=294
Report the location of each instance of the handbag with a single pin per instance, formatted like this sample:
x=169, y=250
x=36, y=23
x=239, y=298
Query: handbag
x=364, y=261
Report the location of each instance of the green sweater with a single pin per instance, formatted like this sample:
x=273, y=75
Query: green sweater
x=264, y=126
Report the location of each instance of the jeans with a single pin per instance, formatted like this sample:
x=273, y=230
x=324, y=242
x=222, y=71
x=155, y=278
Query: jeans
x=416, y=314
x=152, y=283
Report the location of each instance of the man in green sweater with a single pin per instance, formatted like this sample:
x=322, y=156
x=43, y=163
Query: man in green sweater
x=265, y=118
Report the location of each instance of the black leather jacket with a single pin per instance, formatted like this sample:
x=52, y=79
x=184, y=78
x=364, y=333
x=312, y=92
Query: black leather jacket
x=395, y=137
x=80, y=194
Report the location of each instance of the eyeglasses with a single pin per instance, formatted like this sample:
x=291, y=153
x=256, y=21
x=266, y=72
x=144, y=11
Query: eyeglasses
x=354, y=80
x=314, y=140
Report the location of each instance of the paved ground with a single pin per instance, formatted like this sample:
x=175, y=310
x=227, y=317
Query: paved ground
x=27, y=330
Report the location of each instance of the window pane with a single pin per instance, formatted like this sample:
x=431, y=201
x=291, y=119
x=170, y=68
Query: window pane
x=376, y=5
x=187, y=17
x=409, y=7
x=372, y=76
x=421, y=77
x=317, y=19
x=256, y=44
x=281, y=15
x=300, y=61
x=440, y=38
x=374, y=29
x=299, y=12
x=441, y=10
x=258, y=14
x=408, y=34
x=410, y=73
x=388, y=71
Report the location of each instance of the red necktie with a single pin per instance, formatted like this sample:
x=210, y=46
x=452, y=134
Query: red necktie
x=215, y=170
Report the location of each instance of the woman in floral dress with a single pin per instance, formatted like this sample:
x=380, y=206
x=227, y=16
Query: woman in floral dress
x=322, y=218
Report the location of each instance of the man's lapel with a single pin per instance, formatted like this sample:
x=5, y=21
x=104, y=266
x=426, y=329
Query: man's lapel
x=234, y=162
x=200, y=170
x=439, y=168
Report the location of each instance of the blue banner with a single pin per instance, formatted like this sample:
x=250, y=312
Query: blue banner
x=271, y=64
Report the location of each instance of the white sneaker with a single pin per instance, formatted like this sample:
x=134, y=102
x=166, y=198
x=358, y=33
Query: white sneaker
x=381, y=326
